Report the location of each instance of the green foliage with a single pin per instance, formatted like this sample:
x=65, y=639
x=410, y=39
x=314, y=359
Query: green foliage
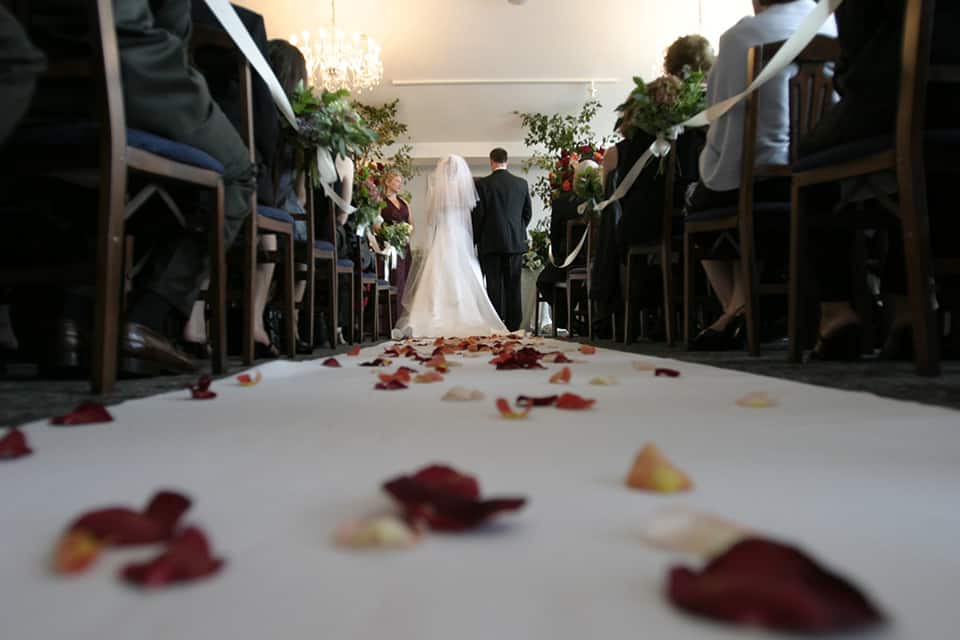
x=329, y=121
x=386, y=124
x=588, y=186
x=538, y=247
x=557, y=134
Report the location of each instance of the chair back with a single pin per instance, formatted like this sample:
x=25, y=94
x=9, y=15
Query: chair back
x=669, y=207
x=811, y=89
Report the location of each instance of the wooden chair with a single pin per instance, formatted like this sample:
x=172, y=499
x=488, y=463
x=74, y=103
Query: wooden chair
x=364, y=279
x=662, y=248
x=318, y=252
x=577, y=273
x=740, y=221
x=264, y=220
x=120, y=153
x=387, y=294
x=904, y=154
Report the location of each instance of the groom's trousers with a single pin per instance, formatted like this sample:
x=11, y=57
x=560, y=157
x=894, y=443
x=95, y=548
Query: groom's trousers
x=502, y=271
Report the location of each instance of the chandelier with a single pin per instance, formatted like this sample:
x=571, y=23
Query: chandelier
x=338, y=61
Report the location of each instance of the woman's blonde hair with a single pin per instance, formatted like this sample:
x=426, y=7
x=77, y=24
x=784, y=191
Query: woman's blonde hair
x=389, y=175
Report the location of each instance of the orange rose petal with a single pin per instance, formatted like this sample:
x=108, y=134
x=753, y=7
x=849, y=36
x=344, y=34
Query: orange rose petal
x=561, y=377
x=429, y=377
x=652, y=471
x=572, y=401
x=604, y=381
x=506, y=411
x=587, y=350
x=76, y=552
x=354, y=352
x=246, y=380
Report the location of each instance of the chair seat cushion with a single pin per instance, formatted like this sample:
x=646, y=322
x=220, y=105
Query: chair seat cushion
x=577, y=271
x=345, y=262
x=369, y=277
x=275, y=214
x=766, y=208
x=171, y=150
x=323, y=245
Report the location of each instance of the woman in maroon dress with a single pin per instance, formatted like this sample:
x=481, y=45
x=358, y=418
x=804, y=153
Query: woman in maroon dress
x=396, y=211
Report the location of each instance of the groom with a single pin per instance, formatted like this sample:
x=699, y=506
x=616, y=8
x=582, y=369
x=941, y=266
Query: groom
x=500, y=231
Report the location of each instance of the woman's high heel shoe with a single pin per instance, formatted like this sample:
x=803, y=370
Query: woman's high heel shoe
x=732, y=336
x=843, y=345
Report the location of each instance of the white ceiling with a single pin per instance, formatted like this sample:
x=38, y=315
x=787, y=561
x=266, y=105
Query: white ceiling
x=493, y=39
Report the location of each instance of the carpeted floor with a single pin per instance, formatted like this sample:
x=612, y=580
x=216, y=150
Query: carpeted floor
x=24, y=397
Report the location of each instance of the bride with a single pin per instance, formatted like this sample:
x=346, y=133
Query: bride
x=445, y=295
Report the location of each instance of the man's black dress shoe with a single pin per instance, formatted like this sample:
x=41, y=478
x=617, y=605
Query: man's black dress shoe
x=842, y=345
x=144, y=352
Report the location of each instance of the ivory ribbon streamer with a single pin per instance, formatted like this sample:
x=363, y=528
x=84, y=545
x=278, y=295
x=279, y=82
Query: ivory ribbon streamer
x=241, y=37
x=794, y=45
x=327, y=172
x=572, y=256
x=390, y=255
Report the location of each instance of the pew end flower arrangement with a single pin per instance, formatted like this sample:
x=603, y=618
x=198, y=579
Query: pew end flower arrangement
x=537, y=255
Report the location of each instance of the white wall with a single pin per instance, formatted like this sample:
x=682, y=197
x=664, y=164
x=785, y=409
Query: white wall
x=492, y=39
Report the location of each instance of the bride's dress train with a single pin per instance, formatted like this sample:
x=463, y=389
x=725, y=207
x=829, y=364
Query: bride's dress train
x=445, y=295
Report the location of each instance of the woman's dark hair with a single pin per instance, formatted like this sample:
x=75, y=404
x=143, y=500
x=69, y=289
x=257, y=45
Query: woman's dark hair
x=288, y=64
x=290, y=67
x=692, y=52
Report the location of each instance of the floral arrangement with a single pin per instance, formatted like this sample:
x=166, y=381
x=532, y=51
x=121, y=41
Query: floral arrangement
x=563, y=175
x=396, y=235
x=658, y=106
x=588, y=185
x=329, y=121
x=538, y=247
x=565, y=139
x=391, y=132
x=367, y=197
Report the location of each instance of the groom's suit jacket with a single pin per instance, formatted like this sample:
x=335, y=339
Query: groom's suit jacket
x=502, y=214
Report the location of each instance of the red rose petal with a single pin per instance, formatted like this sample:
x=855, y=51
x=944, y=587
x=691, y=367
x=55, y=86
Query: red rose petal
x=573, y=401
x=201, y=390
x=379, y=362
x=764, y=583
x=246, y=380
x=354, y=352
x=545, y=401
x=123, y=526
x=14, y=445
x=664, y=372
x=446, y=499
x=395, y=385
x=187, y=558
x=331, y=362
x=86, y=413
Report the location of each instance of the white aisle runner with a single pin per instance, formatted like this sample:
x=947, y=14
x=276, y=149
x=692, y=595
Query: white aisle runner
x=868, y=485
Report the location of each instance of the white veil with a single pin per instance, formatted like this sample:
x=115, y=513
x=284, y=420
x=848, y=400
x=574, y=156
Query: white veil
x=451, y=196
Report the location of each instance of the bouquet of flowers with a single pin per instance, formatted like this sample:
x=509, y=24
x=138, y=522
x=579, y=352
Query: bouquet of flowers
x=329, y=121
x=657, y=107
x=367, y=197
x=537, y=255
x=588, y=185
x=397, y=235
x=563, y=175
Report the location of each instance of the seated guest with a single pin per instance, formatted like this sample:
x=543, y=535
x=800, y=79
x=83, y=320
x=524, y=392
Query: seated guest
x=867, y=79
x=637, y=217
x=720, y=161
x=164, y=95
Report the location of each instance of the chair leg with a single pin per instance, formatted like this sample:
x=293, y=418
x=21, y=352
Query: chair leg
x=667, y=267
x=554, y=308
x=106, y=309
x=333, y=304
x=748, y=273
x=353, y=310
x=536, y=314
x=217, y=289
x=627, y=300
x=249, y=266
x=798, y=233
x=288, y=298
x=688, y=266
x=916, y=247
x=569, y=308
x=309, y=305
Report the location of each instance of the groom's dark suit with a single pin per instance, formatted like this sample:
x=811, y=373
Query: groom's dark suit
x=500, y=231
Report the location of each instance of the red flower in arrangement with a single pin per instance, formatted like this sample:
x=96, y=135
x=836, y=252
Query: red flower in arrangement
x=586, y=150
x=545, y=401
x=764, y=583
x=201, y=390
x=187, y=558
x=574, y=402
x=331, y=362
x=119, y=526
x=14, y=445
x=446, y=499
x=86, y=413
x=668, y=373
x=567, y=185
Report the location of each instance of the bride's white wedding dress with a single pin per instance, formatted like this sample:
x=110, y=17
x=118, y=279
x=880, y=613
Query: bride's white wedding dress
x=445, y=295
